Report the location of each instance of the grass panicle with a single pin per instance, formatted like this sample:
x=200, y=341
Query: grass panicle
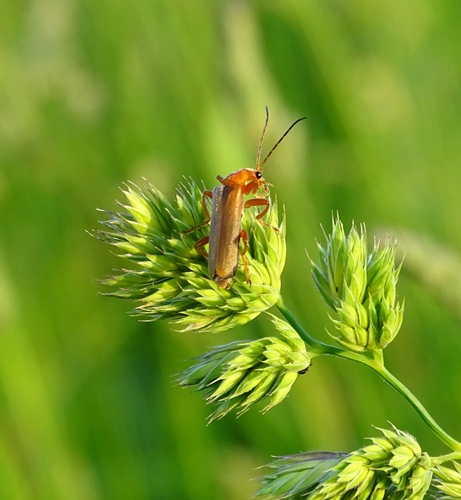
x=360, y=286
x=237, y=375
x=169, y=278
x=391, y=467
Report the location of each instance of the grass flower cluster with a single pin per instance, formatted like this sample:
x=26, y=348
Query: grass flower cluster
x=393, y=466
x=448, y=481
x=240, y=374
x=360, y=287
x=169, y=280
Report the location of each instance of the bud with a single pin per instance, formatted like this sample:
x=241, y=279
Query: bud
x=170, y=278
x=360, y=288
x=240, y=374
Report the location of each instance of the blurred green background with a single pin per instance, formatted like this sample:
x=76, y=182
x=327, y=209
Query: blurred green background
x=96, y=93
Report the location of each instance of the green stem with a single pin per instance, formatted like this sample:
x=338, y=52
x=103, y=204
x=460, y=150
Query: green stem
x=456, y=455
x=376, y=363
x=422, y=412
x=317, y=347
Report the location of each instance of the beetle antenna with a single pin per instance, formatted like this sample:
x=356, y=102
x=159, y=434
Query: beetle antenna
x=260, y=147
x=260, y=167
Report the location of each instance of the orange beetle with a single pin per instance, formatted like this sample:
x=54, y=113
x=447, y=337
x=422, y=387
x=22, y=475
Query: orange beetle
x=226, y=215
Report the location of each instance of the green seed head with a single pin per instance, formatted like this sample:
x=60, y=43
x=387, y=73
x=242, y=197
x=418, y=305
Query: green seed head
x=169, y=278
x=360, y=287
x=297, y=476
x=391, y=467
x=240, y=374
x=448, y=481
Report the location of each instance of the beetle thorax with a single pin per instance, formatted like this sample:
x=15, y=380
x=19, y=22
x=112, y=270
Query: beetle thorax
x=242, y=177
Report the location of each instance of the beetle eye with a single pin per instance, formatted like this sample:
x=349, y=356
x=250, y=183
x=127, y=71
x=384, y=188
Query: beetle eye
x=259, y=174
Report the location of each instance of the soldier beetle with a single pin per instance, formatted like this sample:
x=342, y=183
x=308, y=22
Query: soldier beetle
x=227, y=207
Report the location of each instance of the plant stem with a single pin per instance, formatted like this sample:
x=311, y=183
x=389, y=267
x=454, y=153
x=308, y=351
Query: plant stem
x=423, y=413
x=456, y=455
x=318, y=347
x=376, y=363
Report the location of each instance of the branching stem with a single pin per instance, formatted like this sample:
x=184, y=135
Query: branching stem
x=375, y=361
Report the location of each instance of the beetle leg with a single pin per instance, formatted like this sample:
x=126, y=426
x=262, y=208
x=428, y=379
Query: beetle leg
x=244, y=237
x=260, y=202
x=200, y=244
x=205, y=194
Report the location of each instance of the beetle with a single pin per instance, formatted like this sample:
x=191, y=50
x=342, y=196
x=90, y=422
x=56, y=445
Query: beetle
x=227, y=205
